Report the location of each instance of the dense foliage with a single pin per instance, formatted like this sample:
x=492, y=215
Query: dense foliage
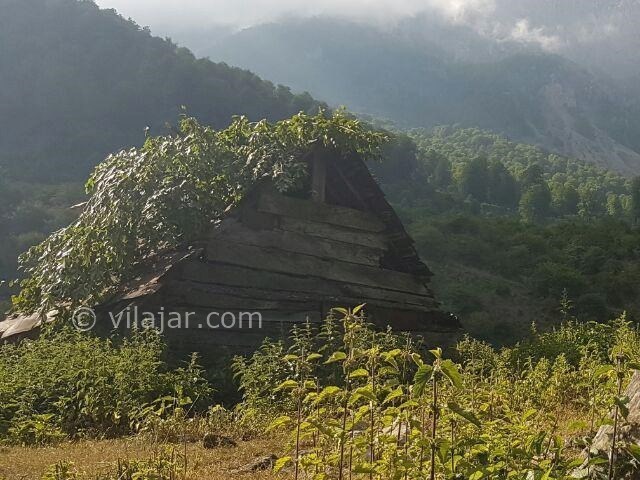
x=168, y=192
x=485, y=168
x=70, y=385
x=510, y=229
x=361, y=404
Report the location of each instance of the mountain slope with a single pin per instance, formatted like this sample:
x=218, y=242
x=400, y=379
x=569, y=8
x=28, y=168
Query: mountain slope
x=530, y=96
x=79, y=82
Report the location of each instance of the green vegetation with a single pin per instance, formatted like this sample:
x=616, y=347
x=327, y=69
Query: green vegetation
x=510, y=230
x=69, y=385
x=147, y=200
x=97, y=80
x=365, y=404
x=485, y=168
x=357, y=403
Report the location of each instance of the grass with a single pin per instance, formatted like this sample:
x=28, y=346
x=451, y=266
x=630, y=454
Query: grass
x=92, y=458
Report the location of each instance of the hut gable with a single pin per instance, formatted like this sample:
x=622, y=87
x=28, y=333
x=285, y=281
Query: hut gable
x=337, y=242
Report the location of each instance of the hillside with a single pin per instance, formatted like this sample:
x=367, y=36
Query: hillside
x=79, y=82
x=510, y=230
x=407, y=76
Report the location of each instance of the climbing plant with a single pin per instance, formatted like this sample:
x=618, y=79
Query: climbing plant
x=168, y=192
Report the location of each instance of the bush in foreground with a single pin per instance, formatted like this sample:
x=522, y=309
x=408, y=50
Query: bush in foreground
x=68, y=384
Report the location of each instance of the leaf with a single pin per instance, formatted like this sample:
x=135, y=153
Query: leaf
x=622, y=403
x=357, y=309
x=633, y=365
x=469, y=416
x=364, y=468
x=341, y=310
x=634, y=450
x=437, y=352
x=359, y=373
x=282, y=421
x=602, y=370
x=336, y=357
x=547, y=474
x=417, y=359
x=528, y=414
x=396, y=393
x=314, y=356
x=281, y=463
x=450, y=370
x=421, y=378
x=364, y=392
x=287, y=385
x=326, y=392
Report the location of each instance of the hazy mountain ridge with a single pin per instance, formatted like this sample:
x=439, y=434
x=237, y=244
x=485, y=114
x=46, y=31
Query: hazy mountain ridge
x=530, y=95
x=79, y=82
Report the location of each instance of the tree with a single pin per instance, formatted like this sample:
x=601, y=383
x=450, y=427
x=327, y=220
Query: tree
x=565, y=198
x=473, y=180
x=614, y=205
x=535, y=203
x=635, y=200
x=442, y=173
x=533, y=175
x=503, y=188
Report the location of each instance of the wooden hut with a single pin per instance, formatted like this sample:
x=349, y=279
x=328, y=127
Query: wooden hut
x=291, y=258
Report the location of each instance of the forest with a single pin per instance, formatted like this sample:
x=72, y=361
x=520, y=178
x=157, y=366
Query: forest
x=528, y=228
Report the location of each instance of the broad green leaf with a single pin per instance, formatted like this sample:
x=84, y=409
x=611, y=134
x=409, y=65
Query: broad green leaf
x=467, y=415
x=336, y=357
x=357, y=309
x=421, y=378
x=450, y=370
x=283, y=421
x=359, y=373
x=396, y=393
x=287, y=385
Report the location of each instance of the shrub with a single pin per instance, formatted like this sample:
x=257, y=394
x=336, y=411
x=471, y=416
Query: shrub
x=67, y=384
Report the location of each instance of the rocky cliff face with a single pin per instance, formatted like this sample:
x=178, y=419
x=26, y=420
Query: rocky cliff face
x=571, y=130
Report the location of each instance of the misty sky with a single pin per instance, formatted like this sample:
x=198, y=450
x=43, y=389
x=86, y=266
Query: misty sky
x=170, y=14
x=598, y=32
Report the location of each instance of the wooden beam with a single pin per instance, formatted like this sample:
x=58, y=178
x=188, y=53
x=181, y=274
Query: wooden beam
x=276, y=260
x=270, y=295
x=275, y=203
x=237, y=232
x=319, y=177
x=334, y=232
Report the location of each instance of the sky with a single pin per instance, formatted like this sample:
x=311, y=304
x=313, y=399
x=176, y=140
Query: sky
x=603, y=33
x=167, y=14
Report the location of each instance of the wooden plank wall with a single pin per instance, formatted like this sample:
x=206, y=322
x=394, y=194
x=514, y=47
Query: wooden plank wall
x=292, y=260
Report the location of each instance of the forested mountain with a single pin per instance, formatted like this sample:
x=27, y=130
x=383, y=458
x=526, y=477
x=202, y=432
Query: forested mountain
x=410, y=77
x=79, y=82
x=512, y=232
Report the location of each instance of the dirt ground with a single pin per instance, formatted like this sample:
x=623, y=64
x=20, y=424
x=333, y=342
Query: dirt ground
x=92, y=459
